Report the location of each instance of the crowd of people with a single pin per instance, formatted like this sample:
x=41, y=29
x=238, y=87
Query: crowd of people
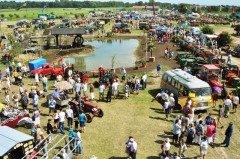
x=190, y=130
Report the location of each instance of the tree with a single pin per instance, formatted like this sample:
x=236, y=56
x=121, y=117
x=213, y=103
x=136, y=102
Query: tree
x=182, y=8
x=140, y=3
x=207, y=30
x=151, y=46
x=224, y=39
x=152, y=3
x=16, y=46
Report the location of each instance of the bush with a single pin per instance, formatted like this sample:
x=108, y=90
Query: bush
x=224, y=39
x=10, y=15
x=2, y=15
x=207, y=30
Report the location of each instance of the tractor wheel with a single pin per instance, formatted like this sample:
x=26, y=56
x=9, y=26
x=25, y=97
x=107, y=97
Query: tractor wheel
x=100, y=113
x=89, y=117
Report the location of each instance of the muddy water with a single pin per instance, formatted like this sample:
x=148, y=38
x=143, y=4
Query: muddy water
x=108, y=53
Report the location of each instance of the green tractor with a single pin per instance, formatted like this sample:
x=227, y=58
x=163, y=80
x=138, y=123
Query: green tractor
x=194, y=63
x=184, y=55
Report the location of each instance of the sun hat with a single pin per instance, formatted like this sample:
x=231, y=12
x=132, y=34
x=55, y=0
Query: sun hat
x=171, y=94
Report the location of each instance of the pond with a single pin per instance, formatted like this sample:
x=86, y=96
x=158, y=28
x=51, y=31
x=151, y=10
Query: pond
x=119, y=53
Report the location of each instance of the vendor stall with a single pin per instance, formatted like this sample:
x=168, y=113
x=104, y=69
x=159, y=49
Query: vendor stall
x=10, y=116
x=14, y=144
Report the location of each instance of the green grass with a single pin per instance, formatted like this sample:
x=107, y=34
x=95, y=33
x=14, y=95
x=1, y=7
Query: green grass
x=31, y=13
x=140, y=117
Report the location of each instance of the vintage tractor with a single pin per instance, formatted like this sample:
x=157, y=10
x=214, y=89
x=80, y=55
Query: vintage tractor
x=106, y=76
x=210, y=74
x=90, y=109
x=184, y=55
x=229, y=70
x=192, y=62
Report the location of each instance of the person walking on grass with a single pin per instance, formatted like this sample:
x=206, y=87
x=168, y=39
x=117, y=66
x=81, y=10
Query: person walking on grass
x=69, y=114
x=109, y=93
x=123, y=73
x=235, y=103
x=83, y=120
x=228, y=105
x=228, y=135
x=61, y=121
x=56, y=119
x=91, y=92
x=51, y=105
x=203, y=147
x=166, y=108
x=44, y=82
x=176, y=131
x=133, y=149
x=126, y=91
x=199, y=132
x=158, y=70
x=137, y=85
x=101, y=92
x=172, y=103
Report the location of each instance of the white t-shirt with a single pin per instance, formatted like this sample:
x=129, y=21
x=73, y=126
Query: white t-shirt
x=69, y=113
x=236, y=100
x=172, y=101
x=133, y=147
x=115, y=86
x=61, y=116
x=84, y=87
x=167, y=146
x=204, y=145
x=144, y=78
x=227, y=102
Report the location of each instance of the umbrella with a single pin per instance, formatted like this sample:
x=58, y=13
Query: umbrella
x=25, y=120
x=217, y=89
x=63, y=85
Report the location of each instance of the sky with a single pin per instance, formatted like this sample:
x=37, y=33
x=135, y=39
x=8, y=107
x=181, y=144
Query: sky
x=200, y=2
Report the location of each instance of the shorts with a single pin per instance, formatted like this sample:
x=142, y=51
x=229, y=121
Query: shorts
x=137, y=87
x=126, y=94
x=115, y=92
x=204, y=152
x=82, y=124
x=210, y=139
x=56, y=121
x=158, y=72
x=234, y=106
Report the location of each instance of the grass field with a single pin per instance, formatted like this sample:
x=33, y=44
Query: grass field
x=31, y=13
x=138, y=116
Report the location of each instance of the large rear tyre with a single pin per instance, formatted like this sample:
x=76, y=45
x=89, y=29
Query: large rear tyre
x=89, y=117
x=100, y=113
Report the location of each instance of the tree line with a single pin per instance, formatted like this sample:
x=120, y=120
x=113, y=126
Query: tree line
x=183, y=8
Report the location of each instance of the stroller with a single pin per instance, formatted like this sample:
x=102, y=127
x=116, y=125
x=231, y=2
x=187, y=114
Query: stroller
x=18, y=80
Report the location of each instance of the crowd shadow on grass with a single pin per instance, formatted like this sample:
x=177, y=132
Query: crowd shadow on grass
x=153, y=157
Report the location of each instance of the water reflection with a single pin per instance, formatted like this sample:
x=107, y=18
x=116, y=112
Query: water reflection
x=121, y=50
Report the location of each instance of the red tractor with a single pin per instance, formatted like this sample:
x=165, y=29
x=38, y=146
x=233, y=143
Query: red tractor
x=211, y=74
x=90, y=109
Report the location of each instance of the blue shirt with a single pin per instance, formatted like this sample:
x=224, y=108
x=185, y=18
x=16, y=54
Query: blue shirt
x=158, y=67
x=82, y=117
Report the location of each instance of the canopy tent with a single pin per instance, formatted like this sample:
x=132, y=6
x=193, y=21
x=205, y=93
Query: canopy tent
x=13, y=142
x=184, y=26
x=161, y=28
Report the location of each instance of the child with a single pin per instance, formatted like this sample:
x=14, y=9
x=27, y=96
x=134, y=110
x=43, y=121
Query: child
x=203, y=147
x=220, y=114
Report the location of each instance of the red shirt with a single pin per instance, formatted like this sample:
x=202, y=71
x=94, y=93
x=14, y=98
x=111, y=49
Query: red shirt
x=210, y=129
